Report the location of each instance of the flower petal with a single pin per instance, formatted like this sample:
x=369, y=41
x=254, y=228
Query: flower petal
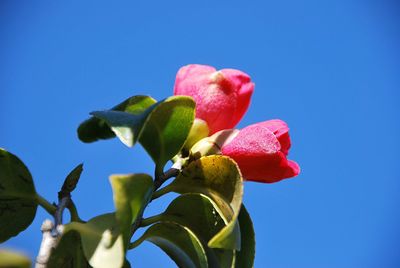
x=281, y=131
x=252, y=141
x=266, y=168
x=222, y=97
x=257, y=151
x=245, y=90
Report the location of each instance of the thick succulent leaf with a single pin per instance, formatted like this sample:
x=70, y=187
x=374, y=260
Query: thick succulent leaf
x=68, y=252
x=197, y=212
x=131, y=194
x=100, y=246
x=94, y=128
x=219, y=178
x=17, y=196
x=245, y=257
x=11, y=259
x=162, y=129
x=181, y=244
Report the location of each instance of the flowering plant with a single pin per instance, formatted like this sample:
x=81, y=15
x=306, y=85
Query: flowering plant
x=207, y=225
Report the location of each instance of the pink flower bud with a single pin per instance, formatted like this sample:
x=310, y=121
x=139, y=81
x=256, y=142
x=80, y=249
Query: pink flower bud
x=260, y=150
x=222, y=97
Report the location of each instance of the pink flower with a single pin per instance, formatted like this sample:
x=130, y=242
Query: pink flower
x=261, y=152
x=222, y=97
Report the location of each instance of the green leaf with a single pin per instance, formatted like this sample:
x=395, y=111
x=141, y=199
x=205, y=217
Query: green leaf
x=167, y=128
x=98, y=241
x=245, y=257
x=178, y=242
x=219, y=178
x=162, y=129
x=17, y=196
x=126, y=126
x=131, y=194
x=68, y=252
x=11, y=259
x=94, y=128
x=197, y=212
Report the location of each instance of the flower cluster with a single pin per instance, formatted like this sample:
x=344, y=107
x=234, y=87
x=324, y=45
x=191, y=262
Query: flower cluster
x=222, y=98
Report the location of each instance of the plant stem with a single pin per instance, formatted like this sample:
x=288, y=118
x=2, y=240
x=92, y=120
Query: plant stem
x=50, y=208
x=173, y=172
x=136, y=243
x=160, y=178
x=150, y=220
x=62, y=204
x=74, y=212
x=161, y=192
x=158, y=173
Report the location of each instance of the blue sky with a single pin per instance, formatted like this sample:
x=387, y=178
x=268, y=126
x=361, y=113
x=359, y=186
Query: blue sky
x=330, y=70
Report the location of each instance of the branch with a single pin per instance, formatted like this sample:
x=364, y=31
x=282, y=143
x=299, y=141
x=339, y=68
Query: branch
x=50, y=208
x=172, y=172
x=52, y=232
x=73, y=211
x=63, y=202
x=49, y=242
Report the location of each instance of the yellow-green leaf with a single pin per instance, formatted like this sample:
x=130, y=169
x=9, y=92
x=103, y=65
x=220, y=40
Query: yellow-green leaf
x=11, y=259
x=102, y=243
x=197, y=212
x=219, y=178
x=131, y=194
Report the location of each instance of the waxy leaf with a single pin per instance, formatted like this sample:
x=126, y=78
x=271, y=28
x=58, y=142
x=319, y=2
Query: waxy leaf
x=94, y=128
x=68, y=252
x=245, y=257
x=197, y=212
x=219, y=178
x=162, y=129
x=11, y=259
x=17, y=196
x=126, y=126
x=178, y=242
x=167, y=128
x=99, y=244
x=131, y=194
